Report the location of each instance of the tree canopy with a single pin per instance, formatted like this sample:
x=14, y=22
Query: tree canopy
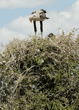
x=40, y=74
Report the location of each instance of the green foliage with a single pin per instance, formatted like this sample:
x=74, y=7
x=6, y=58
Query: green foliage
x=38, y=74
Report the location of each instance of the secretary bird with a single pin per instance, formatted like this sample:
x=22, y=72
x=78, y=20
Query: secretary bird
x=38, y=15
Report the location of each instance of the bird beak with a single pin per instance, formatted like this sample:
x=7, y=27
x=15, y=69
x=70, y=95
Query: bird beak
x=47, y=18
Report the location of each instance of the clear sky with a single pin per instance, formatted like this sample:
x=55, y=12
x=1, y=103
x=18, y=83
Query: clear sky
x=14, y=16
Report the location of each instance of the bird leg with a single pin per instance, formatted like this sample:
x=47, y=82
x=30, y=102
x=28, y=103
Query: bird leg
x=35, y=27
x=41, y=27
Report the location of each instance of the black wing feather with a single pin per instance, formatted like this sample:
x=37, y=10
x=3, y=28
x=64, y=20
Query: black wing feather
x=44, y=11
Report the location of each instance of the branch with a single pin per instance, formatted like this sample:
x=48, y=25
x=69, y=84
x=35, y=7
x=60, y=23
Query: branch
x=21, y=77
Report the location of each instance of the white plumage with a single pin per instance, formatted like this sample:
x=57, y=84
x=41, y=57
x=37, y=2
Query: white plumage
x=38, y=15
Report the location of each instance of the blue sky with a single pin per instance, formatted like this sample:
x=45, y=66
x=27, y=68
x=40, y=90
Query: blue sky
x=14, y=16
